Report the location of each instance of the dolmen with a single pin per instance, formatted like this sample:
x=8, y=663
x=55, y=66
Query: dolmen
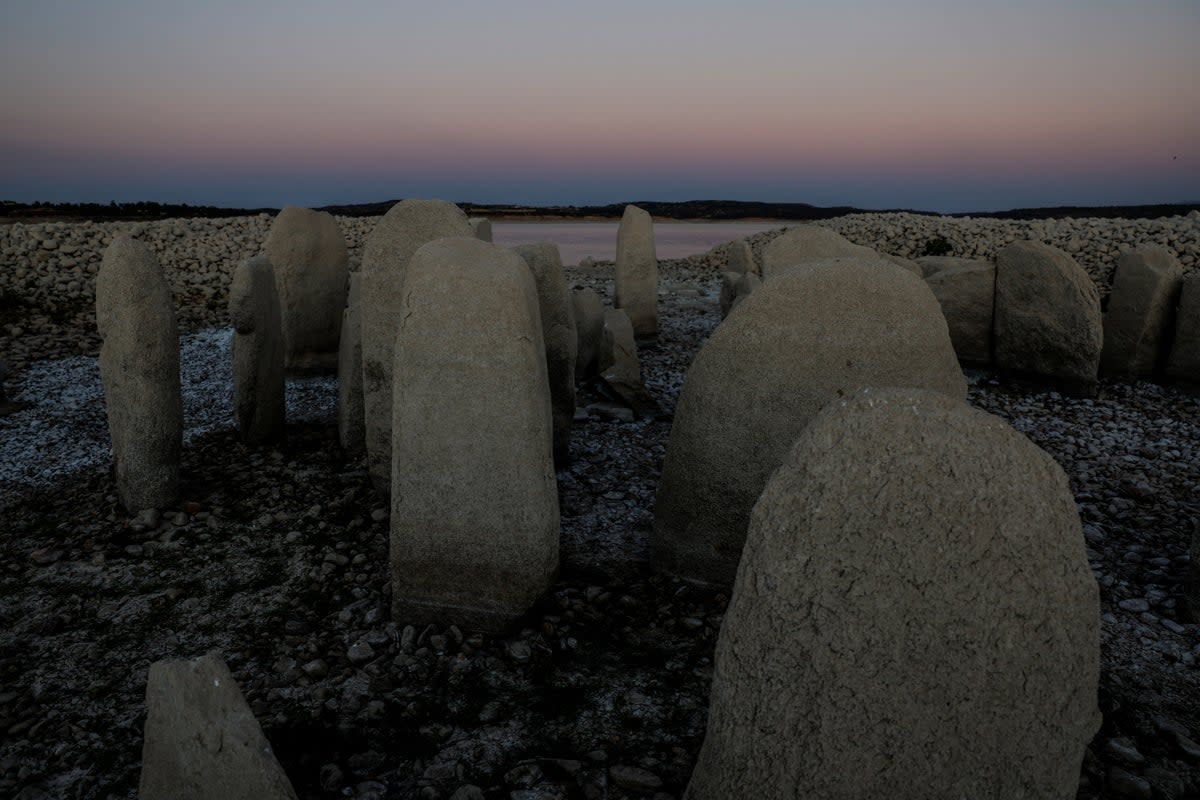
x=805, y=337
x=139, y=368
x=636, y=289
x=474, y=522
x=311, y=263
x=913, y=616
x=258, y=353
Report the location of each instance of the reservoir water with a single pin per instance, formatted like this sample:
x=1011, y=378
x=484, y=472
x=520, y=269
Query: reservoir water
x=578, y=240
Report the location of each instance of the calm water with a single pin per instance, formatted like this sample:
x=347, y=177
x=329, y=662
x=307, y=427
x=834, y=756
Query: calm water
x=576, y=240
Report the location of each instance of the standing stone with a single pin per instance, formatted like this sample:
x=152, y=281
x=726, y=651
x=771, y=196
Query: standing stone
x=735, y=287
x=386, y=252
x=1047, y=322
x=806, y=243
x=741, y=257
x=139, y=366
x=744, y=288
x=913, y=617
x=351, y=433
x=1183, y=366
x=258, y=352
x=311, y=263
x=562, y=340
x=1141, y=312
x=482, y=228
x=201, y=740
x=618, y=352
x=805, y=337
x=637, y=271
x=588, y=311
x=474, y=524
x=966, y=291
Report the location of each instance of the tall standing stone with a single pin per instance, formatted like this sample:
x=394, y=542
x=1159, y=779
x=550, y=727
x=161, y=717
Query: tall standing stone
x=1183, y=365
x=139, y=367
x=561, y=339
x=588, y=311
x=1047, y=322
x=259, y=407
x=201, y=740
x=637, y=271
x=474, y=524
x=350, y=387
x=482, y=228
x=1141, y=312
x=913, y=617
x=386, y=252
x=805, y=337
x=311, y=263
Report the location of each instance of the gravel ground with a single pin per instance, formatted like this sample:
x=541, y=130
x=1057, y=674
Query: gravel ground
x=277, y=560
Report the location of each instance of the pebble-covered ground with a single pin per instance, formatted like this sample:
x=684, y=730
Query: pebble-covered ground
x=277, y=560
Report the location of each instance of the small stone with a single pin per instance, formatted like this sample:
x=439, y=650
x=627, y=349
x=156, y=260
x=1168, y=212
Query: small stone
x=1137, y=605
x=520, y=652
x=1127, y=785
x=1124, y=750
x=360, y=652
x=635, y=779
x=316, y=668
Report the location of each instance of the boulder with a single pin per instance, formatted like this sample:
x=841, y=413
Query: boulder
x=474, y=523
x=966, y=291
x=1141, y=312
x=259, y=408
x=386, y=252
x=741, y=257
x=139, y=367
x=805, y=337
x=1047, y=317
x=482, y=228
x=1183, y=366
x=637, y=271
x=913, y=617
x=351, y=433
x=561, y=339
x=311, y=263
x=806, y=243
x=932, y=265
x=588, y=311
x=201, y=740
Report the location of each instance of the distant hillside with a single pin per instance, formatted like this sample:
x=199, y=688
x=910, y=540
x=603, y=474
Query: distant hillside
x=690, y=209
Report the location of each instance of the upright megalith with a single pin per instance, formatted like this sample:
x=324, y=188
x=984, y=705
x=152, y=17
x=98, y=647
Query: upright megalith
x=966, y=291
x=350, y=386
x=618, y=354
x=139, y=367
x=311, y=263
x=258, y=352
x=1183, y=365
x=386, y=252
x=481, y=227
x=741, y=257
x=474, y=524
x=913, y=616
x=1047, y=322
x=637, y=271
x=807, y=243
x=588, y=310
x=561, y=339
x=201, y=740
x=804, y=338
x=1141, y=312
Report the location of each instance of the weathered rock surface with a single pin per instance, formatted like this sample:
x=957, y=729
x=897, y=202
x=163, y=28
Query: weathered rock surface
x=1048, y=322
x=201, y=740
x=588, y=312
x=805, y=337
x=1141, y=312
x=386, y=252
x=482, y=228
x=637, y=271
x=940, y=640
x=351, y=432
x=1183, y=365
x=258, y=352
x=311, y=262
x=966, y=291
x=474, y=523
x=561, y=339
x=807, y=243
x=139, y=365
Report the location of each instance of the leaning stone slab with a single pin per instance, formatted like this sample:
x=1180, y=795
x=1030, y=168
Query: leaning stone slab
x=637, y=271
x=258, y=352
x=201, y=740
x=1183, y=366
x=805, y=337
x=474, y=523
x=807, y=243
x=139, y=367
x=561, y=339
x=482, y=228
x=913, y=616
x=1141, y=312
x=311, y=263
x=386, y=252
x=588, y=312
x=966, y=291
x=351, y=433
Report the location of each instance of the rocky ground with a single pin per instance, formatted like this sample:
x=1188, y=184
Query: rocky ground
x=277, y=560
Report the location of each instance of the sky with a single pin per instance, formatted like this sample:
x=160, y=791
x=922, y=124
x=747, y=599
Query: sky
x=942, y=105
